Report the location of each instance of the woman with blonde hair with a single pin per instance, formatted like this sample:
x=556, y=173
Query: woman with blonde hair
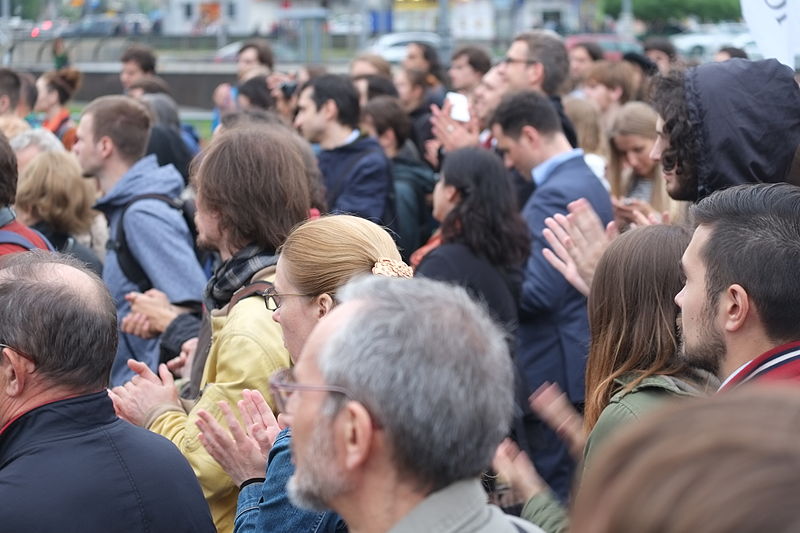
x=591, y=138
x=636, y=180
x=54, y=199
x=55, y=89
x=317, y=259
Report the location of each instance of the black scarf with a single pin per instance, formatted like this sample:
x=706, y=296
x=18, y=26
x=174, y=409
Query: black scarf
x=235, y=273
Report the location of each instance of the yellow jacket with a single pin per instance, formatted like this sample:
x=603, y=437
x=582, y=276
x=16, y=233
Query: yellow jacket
x=246, y=349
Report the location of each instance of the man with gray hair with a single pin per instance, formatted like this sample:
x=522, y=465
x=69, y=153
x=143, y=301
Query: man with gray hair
x=60, y=439
x=31, y=143
x=392, y=427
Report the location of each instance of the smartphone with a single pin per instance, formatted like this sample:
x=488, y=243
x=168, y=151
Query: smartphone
x=460, y=106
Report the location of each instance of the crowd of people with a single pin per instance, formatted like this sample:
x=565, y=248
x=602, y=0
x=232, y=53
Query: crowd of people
x=549, y=294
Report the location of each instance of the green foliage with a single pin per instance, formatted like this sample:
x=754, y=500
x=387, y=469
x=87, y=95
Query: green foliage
x=27, y=9
x=663, y=10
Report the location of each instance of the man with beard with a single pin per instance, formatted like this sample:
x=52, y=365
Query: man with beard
x=386, y=452
x=740, y=305
x=724, y=124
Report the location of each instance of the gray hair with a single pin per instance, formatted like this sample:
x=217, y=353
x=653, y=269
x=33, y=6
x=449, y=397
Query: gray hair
x=43, y=138
x=69, y=330
x=548, y=48
x=163, y=108
x=434, y=370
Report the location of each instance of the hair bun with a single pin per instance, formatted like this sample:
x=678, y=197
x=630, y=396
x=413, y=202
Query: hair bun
x=392, y=268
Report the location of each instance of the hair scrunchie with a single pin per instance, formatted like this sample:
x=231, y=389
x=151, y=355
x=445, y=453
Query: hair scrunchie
x=392, y=268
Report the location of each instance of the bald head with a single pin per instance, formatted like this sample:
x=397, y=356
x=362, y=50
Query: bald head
x=60, y=316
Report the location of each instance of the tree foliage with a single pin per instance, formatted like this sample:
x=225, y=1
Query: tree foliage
x=664, y=10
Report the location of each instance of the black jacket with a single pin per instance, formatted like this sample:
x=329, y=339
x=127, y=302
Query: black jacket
x=73, y=466
x=746, y=119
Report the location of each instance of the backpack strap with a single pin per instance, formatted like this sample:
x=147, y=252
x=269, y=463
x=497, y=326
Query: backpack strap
x=11, y=237
x=129, y=264
x=256, y=288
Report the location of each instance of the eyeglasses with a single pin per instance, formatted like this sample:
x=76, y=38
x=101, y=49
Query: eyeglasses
x=23, y=354
x=509, y=60
x=282, y=385
x=273, y=300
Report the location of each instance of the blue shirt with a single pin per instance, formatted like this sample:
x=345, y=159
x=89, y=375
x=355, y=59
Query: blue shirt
x=542, y=171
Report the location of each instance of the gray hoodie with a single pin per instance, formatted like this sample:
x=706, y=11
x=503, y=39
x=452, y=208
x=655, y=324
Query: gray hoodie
x=160, y=240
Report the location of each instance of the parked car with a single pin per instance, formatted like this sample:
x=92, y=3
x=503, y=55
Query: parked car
x=282, y=53
x=614, y=46
x=96, y=26
x=702, y=44
x=392, y=46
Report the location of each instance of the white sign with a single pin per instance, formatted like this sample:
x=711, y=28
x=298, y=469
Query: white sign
x=775, y=25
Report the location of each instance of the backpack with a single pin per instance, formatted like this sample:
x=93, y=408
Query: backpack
x=127, y=262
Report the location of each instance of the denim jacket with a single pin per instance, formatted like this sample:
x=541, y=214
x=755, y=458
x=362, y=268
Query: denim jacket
x=266, y=506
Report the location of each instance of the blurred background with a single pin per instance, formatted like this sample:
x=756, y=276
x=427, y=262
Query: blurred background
x=197, y=40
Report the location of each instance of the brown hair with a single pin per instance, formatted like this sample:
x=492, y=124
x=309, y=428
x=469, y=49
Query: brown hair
x=151, y=84
x=123, y=120
x=716, y=465
x=322, y=255
x=66, y=82
x=477, y=57
x=548, y=49
x=632, y=314
x=263, y=51
x=52, y=189
x=586, y=119
x=387, y=113
x=381, y=66
x=253, y=178
x=614, y=74
x=142, y=55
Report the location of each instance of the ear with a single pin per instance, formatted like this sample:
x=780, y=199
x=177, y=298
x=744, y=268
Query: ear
x=324, y=304
x=451, y=193
x=106, y=146
x=736, y=308
x=5, y=104
x=330, y=111
x=355, y=429
x=616, y=93
x=15, y=371
x=535, y=74
x=530, y=134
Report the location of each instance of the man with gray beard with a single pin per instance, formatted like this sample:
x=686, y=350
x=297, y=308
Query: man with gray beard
x=391, y=427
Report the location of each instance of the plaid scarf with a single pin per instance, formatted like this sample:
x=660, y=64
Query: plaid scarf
x=235, y=273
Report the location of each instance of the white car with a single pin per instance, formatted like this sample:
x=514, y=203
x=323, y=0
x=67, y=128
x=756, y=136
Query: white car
x=392, y=46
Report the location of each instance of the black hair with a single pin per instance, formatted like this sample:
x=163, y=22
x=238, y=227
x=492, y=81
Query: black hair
x=432, y=57
x=486, y=219
x=10, y=86
x=755, y=242
x=378, y=86
x=387, y=113
x=341, y=90
x=733, y=52
x=526, y=108
x=594, y=50
x=256, y=90
x=477, y=58
x=669, y=100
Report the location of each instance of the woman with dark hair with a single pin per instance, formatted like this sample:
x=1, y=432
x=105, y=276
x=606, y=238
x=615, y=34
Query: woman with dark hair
x=634, y=365
x=485, y=241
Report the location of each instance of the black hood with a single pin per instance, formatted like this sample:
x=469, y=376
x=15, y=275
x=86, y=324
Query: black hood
x=748, y=115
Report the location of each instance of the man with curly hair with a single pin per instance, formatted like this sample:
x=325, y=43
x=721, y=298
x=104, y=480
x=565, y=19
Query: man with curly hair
x=724, y=124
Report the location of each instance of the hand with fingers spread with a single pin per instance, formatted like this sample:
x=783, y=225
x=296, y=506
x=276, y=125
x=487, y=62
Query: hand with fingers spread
x=578, y=240
x=517, y=469
x=238, y=451
x=552, y=405
x=144, y=392
x=451, y=133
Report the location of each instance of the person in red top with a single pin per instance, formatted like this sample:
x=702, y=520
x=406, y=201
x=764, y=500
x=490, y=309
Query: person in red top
x=740, y=305
x=14, y=236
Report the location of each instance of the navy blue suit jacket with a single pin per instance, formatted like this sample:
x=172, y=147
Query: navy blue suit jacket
x=553, y=335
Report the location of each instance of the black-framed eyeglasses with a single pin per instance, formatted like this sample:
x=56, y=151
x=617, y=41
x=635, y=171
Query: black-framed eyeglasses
x=282, y=385
x=510, y=60
x=273, y=300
